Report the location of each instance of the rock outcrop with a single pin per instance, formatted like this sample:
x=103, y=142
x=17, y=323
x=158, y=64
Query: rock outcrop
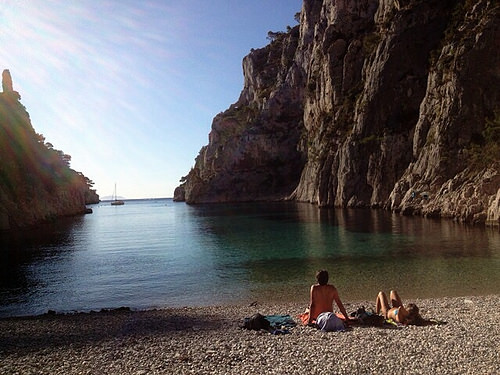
x=367, y=103
x=7, y=81
x=36, y=183
x=252, y=152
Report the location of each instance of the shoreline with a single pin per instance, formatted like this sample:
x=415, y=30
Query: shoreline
x=208, y=340
x=299, y=299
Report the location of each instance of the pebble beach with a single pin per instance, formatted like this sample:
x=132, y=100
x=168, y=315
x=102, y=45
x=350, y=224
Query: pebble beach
x=209, y=340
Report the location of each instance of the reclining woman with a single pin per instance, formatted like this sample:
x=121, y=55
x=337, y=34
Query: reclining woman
x=322, y=296
x=409, y=315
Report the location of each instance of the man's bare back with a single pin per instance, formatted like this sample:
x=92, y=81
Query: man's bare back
x=322, y=297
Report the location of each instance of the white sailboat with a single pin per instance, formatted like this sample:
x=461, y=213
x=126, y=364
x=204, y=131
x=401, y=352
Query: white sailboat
x=116, y=201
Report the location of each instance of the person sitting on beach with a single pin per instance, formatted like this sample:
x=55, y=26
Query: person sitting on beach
x=398, y=313
x=321, y=299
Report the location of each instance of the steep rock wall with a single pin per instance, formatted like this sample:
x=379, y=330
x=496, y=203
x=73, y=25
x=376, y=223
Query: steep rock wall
x=36, y=184
x=392, y=104
x=252, y=152
x=456, y=142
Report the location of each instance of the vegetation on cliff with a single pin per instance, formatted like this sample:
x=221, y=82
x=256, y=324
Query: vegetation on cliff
x=36, y=181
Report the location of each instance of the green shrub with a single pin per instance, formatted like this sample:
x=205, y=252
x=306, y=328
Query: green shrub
x=485, y=152
x=370, y=42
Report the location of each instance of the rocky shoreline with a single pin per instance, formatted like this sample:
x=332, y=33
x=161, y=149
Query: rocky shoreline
x=208, y=340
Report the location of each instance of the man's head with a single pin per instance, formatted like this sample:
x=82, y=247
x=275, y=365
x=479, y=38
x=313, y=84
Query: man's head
x=322, y=277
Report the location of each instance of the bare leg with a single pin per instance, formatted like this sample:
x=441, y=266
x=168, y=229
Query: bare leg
x=395, y=299
x=381, y=304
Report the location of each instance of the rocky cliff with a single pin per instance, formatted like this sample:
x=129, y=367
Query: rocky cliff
x=252, y=152
x=389, y=103
x=36, y=183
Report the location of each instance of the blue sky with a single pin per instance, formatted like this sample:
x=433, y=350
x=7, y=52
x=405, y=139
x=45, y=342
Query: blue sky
x=129, y=88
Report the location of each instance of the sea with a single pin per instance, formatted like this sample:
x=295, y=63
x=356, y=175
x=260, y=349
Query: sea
x=158, y=253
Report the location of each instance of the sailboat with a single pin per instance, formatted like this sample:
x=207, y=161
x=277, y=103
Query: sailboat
x=116, y=201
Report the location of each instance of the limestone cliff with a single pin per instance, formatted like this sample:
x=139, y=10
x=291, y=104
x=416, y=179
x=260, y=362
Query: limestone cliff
x=252, y=152
x=36, y=183
x=371, y=103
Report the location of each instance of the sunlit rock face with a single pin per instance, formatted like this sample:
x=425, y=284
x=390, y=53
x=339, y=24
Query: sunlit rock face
x=6, y=81
x=366, y=103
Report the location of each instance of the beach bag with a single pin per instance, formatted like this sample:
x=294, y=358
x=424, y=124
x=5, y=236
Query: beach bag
x=329, y=322
x=256, y=322
x=368, y=318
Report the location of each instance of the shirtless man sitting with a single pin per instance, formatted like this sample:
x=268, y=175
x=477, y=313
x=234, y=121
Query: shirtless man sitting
x=322, y=297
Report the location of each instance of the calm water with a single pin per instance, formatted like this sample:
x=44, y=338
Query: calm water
x=156, y=253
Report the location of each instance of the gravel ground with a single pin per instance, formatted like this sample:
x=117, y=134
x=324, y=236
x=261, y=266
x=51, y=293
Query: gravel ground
x=208, y=340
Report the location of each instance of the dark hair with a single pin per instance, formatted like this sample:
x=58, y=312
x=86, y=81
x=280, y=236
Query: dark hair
x=414, y=317
x=322, y=277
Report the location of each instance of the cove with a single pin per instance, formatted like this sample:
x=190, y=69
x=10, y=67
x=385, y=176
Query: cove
x=158, y=253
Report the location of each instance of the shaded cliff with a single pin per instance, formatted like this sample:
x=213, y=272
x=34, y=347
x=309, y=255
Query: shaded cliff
x=36, y=183
x=367, y=103
x=252, y=152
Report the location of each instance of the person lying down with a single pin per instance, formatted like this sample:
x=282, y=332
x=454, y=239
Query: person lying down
x=409, y=315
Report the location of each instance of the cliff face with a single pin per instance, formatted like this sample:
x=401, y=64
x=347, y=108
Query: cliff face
x=391, y=104
x=252, y=152
x=36, y=183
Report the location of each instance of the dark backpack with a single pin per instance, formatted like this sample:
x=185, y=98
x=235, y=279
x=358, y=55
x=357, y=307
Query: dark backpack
x=256, y=322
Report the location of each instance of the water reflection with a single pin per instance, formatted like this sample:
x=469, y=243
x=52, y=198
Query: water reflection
x=159, y=253
x=365, y=250
x=24, y=249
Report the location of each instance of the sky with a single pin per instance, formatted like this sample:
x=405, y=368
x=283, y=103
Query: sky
x=129, y=88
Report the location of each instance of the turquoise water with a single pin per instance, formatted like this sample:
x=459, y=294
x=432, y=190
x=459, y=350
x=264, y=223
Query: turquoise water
x=157, y=253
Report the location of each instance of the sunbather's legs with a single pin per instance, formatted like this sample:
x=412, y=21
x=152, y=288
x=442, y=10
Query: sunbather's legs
x=381, y=304
x=395, y=299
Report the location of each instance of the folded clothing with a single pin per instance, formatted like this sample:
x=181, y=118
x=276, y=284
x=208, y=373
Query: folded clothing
x=329, y=322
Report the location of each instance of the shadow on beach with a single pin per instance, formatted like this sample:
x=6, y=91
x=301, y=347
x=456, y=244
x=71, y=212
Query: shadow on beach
x=29, y=334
